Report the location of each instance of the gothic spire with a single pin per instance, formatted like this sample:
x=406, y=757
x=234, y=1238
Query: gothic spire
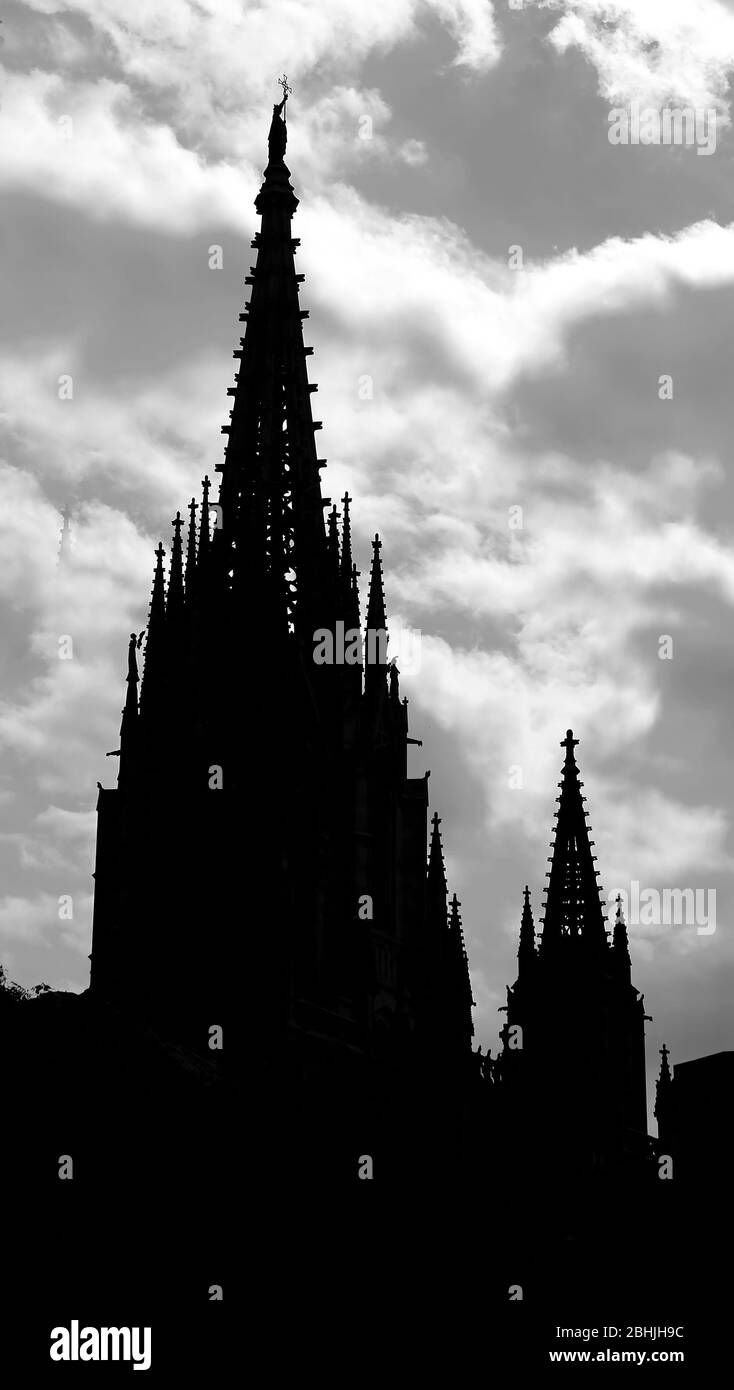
x=376, y=618
x=376, y=636
x=191, y=550
x=436, y=890
x=270, y=491
x=663, y=1092
x=333, y=542
x=355, y=596
x=573, y=910
x=620, y=943
x=129, y=725
x=349, y=593
x=526, y=952
x=175, y=602
x=204, y=536
x=154, y=646
x=436, y=866
x=460, y=969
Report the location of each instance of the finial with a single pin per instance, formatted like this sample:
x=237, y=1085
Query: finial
x=278, y=134
x=177, y=522
x=132, y=664
x=204, y=518
x=569, y=742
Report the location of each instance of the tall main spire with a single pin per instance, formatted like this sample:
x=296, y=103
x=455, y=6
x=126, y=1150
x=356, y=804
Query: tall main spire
x=270, y=496
x=573, y=908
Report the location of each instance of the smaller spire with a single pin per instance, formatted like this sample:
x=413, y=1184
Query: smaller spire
x=346, y=555
x=157, y=610
x=154, y=642
x=349, y=591
x=333, y=539
x=573, y=910
x=376, y=617
x=355, y=595
x=436, y=866
x=620, y=940
x=663, y=1092
x=191, y=548
x=457, y=947
x=526, y=949
x=204, y=536
x=376, y=638
x=175, y=604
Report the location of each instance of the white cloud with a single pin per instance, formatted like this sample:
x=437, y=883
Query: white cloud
x=656, y=51
x=115, y=163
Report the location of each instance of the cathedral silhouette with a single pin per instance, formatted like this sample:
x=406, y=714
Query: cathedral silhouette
x=279, y=980
x=294, y=770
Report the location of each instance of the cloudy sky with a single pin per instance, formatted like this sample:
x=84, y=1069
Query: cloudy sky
x=546, y=320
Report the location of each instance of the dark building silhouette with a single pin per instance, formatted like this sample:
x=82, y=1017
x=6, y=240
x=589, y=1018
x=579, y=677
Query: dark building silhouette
x=693, y=1108
x=265, y=827
x=574, y=1042
x=264, y=873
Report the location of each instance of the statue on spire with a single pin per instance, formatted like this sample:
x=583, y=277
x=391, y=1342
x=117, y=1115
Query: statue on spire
x=278, y=134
